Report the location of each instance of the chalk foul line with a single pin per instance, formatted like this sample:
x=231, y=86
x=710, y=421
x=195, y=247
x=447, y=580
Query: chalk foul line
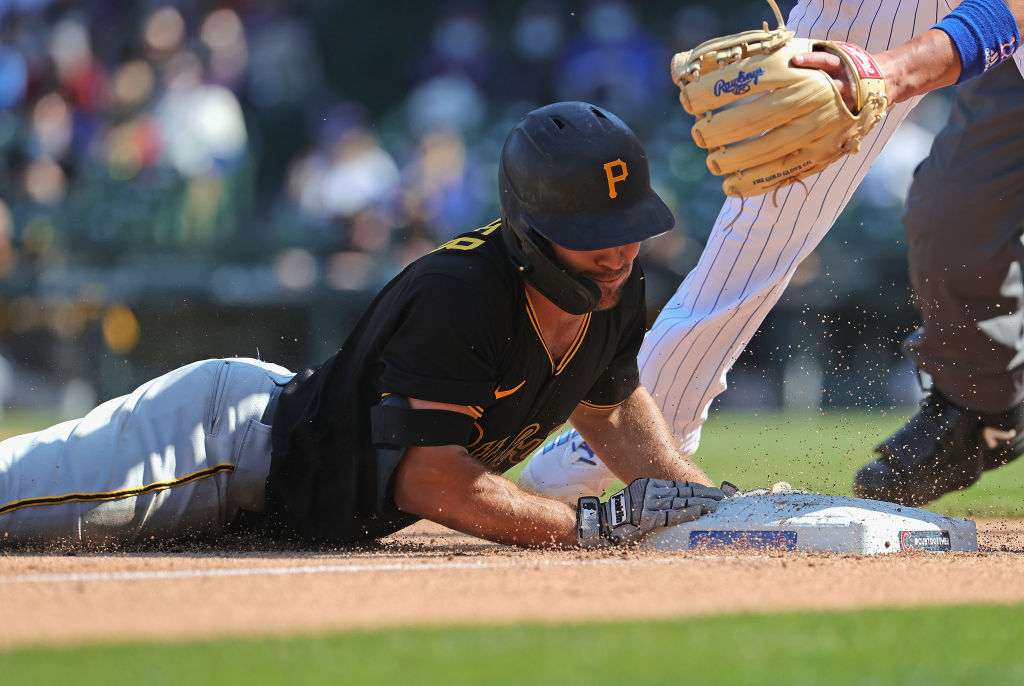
x=155, y=574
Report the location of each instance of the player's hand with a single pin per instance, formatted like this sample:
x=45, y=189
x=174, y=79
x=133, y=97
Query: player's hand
x=832, y=65
x=642, y=506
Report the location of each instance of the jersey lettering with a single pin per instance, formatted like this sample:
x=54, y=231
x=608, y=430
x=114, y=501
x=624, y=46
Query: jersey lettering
x=462, y=243
x=494, y=453
x=468, y=242
x=613, y=177
x=489, y=229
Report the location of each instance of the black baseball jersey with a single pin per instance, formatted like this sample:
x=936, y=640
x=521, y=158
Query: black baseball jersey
x=456, y=326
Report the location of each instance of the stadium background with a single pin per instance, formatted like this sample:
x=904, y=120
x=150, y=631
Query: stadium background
x=181, y=180
x=190, y=179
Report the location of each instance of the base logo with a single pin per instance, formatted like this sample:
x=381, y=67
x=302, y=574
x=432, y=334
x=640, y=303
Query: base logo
x=935, y=541
x=755, y=540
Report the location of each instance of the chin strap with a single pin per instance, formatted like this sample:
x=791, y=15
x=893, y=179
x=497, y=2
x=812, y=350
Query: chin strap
x=570, y=293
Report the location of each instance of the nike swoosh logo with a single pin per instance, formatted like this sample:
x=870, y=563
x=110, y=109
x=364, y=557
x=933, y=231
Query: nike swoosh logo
x=499, y=394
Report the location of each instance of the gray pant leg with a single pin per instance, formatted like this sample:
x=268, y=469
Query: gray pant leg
x=177, y=457
x=964, y=218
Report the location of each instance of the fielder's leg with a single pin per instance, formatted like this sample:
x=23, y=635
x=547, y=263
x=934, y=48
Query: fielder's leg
x=177, y=457
x=964, y=221
x=744, y=268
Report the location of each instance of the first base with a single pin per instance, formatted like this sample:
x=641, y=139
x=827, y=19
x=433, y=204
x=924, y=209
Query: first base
x=817, y=523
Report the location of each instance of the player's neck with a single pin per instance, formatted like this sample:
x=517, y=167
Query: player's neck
x=557, y=327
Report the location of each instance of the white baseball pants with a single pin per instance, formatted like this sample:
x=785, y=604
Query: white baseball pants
x=756, y=245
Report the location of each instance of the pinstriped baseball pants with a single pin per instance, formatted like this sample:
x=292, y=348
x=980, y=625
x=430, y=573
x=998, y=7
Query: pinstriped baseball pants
x=757, y=244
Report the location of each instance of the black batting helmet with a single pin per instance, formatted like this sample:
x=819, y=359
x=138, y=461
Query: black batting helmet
x=577, y=176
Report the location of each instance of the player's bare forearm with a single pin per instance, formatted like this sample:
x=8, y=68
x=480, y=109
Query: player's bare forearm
x=634, y=440
x=928, y=61
x=920, y=65
x=445, y=485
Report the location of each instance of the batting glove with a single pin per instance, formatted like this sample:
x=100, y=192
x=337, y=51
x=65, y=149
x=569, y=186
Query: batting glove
x=640, y=507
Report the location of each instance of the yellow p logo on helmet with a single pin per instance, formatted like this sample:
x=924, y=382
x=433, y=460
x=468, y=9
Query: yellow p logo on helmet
x=613, y=177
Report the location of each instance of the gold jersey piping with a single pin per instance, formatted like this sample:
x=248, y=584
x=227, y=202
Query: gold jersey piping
x=576, y=343
x=116, y=495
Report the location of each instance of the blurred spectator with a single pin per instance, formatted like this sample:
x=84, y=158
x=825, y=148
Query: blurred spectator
x=446, y=102
x=692, y=25
x=13, y=76
x=224, y=36
x=283, y=79
x=442, y=185
x=7, y=256
x=459, y=44
x=535, y=44
x=615, y=63
x=346, y=172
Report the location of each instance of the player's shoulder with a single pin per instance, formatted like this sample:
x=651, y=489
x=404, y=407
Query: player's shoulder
x=477, y=259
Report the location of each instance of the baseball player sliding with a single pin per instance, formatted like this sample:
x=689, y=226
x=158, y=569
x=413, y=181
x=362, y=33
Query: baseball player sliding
x=963, y=220
x=436, y=392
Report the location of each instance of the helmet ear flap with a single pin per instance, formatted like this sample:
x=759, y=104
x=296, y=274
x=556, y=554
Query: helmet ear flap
x=526, y=248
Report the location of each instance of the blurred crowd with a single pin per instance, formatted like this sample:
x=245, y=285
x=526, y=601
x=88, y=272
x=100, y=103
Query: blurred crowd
x=245, y=126
x=225, y=127
x=262, y=148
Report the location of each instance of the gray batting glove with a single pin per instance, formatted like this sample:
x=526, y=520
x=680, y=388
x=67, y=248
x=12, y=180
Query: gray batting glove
x=640, y=507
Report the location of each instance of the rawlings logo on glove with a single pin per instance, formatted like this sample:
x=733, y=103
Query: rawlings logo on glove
x=740, y=85
x=765, y=123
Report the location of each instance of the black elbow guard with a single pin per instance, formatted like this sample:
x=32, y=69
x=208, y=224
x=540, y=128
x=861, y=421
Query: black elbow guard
x=394, y=427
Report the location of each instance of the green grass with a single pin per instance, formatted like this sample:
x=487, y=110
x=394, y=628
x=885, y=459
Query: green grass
x=927, y=646
x=822, y=452
x=14, y=422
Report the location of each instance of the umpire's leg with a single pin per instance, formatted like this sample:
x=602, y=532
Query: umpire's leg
x=177, y=457
x=964, y=220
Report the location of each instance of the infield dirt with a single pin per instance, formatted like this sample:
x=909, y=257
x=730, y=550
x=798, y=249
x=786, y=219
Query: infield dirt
x=428, y=576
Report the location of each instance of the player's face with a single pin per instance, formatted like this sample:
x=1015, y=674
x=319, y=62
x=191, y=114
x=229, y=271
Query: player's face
x=608, y=268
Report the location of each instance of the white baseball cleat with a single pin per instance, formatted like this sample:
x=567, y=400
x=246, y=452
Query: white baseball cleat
x=566, y=469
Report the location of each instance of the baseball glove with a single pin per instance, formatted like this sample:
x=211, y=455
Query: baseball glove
x=766, y=123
